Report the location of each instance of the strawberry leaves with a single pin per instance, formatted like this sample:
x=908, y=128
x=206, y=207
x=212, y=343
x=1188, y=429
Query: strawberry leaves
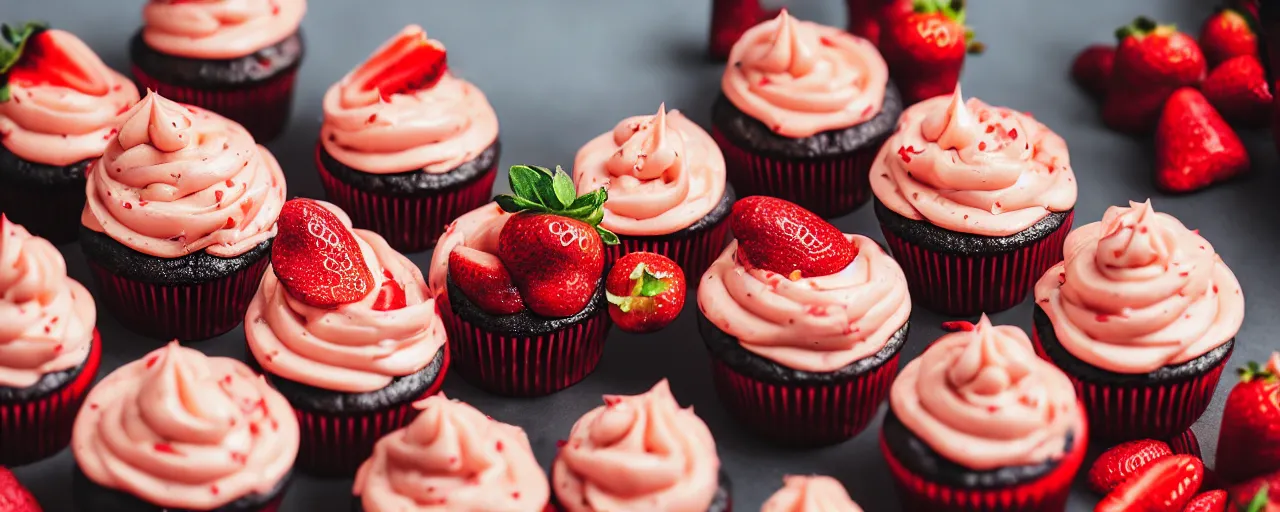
x=1254, y=371
x=15, y=45
x=1259, y=501
x=541, y=190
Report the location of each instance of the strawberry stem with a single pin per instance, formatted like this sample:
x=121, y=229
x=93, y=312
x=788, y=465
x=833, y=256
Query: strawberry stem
x=11, y=53
x=1253, y=371
x=648, y=284
x=1259, y=501
x=539, y=189
x=1140, y=27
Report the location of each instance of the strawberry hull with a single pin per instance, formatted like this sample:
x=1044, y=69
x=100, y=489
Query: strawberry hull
x=36, y=423
x=46, y=199
x=91, y=497
x=693, y=248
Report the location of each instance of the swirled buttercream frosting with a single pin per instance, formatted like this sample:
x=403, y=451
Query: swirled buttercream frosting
x=810, y=494
x=219, y=29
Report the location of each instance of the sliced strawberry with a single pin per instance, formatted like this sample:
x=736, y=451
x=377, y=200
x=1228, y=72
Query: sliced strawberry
x=13, y=496
x=408, y=62
x=780, y=236
x=47, y=57
x=1165, y=485
x=317, y=258
x=484, y=280
x=1116, y=465
x=1212, y=501
x=390, y=295
x=645, y=292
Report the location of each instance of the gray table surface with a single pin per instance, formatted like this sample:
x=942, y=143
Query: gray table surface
x=560, y=72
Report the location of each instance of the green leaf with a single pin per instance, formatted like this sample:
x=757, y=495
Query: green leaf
x=524, y=181
x=515, y=204
x=648, y=284
x=562, y=184
x=607, y=236
x=594, y=217
x=593, y=199
x=4, y=93
x=1259, y=501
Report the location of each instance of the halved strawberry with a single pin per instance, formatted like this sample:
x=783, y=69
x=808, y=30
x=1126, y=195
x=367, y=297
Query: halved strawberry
x=1212, y=501
x=1165, y=485
x=36, y=56
x=780, y=236
x=390, y=295
x=317, y=258
x=407, y=62
x=483, y=279
x=1116, y=465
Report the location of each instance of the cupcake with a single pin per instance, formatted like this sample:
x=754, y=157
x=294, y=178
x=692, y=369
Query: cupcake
x=49, y=348
x=347, y=330
x=239, y=59
x=521, y=292
x=975, y=202
x=803, y=110
x=810, y=494
x=452, y=457
x=1142, y=315
x=180, y=431
x=640, y=453
x=179, y=220
x=667, y=193
x=406, y=147
x=58, y=105
x=979, y=423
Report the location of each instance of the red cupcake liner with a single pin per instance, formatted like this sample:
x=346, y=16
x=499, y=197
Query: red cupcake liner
x=52, y=213
x=524, y=366
x=410, y=224
x=263, y=108
x=1048, y=493
x=960, y=285
x=804, y=415
x=693, y=254
x=33, y=430
x=1127, y=412
x=1185, y=443
x=829, y=187
x=184, y=312
x=336, y=445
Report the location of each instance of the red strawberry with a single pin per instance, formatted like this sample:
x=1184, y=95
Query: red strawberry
x=1151, y=62
x=482, y=278
x=645, y=292
x=37, y=57
x=730, y=19
x=1165, y=485
x=317, y=258
x=1262, y=494
x=1238, y=89
x=1249, y=439
x=408, y=62
x=1116, y=465
x=925, y=49
x=1092, y=69
x=1212, y=501
x=13, y=496
x=554, y=246
x=1227, y=35
x=867, y=17
x=390, y=295
x=780, y=236
x=1195, y=147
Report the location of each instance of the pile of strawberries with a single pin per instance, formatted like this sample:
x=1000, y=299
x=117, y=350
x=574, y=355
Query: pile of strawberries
x=1147, y=475
x=1189, y=93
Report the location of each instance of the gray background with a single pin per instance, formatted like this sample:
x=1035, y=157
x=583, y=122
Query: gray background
x=559, y=72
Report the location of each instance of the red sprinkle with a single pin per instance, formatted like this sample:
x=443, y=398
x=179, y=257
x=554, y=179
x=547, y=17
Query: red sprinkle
x=230, y=183
x=957, y=326
x=217, y=196
x=253, y=428
x=128, y=206
x=826, y=41
x=373, y=117
x=515, y=495
x=239, y=458
x=499, y=446
x=1013, y=133
x=992, y=409
x=982, y=146
x=1102, y=317
x=561, y=443
x=151, y=361
x=166, y=448
x=1215, y=288
x=213, y=489
x=612, y=400
x=93, y=407
x=906, y=151
x=231, y=223
x=991, y=128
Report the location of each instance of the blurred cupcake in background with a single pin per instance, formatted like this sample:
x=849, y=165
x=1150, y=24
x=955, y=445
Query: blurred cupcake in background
x=810, y=494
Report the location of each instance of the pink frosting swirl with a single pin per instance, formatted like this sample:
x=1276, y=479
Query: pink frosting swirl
x=1139, y=291
x=477, y=229
x=638, y=453
x=810, y=494
x=801, y=78
x=352, y=348
x=219, y=29
x=183, y=430
x=178, y=179
x=435, y=129
x=46, y=318
x=813, y=324
x=58, y=125
x=973, y=168
x=453, y=458
x=663, y=173
x=983, y=399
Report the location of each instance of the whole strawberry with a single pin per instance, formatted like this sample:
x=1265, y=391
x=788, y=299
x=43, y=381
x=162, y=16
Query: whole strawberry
x=316, y=256
x=1212, y=501
x=925, y=48
x=1238, y=89
x=1151, y=62
x=1116, y=465
x=779, y=236
x=13, y=496
x=1165, y=485
x=1261, y=494
x=1249, y=439
x=1092, y=69
x=553, y=247
x=645, y=292
x=1195, y=147
x=1226, y=35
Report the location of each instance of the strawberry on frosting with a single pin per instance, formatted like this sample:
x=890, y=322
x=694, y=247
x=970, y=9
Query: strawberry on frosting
x=477, y=230
x=219, y=29
x=663, y=172
x=1139, y=291
x=810, y=494
x=60, y=103
x=46, y=318
x=178, y=179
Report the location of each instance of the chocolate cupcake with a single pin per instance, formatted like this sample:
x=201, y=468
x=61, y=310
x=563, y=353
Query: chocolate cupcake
x=1142, y=316
x=979, y=423
x=347, y=330
x=974, y=202
x=58, y=106
x=240, y=60
x=667, y=191
x=803, y=111
x=406, y=146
